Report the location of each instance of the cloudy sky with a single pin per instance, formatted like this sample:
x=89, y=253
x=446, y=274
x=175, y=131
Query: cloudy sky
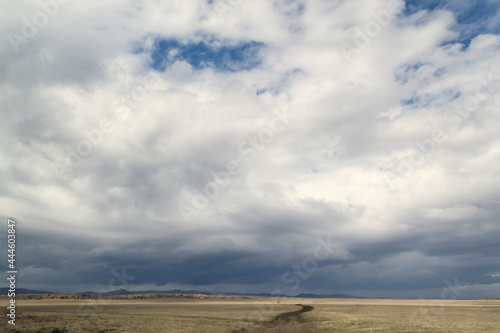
x=327, y=146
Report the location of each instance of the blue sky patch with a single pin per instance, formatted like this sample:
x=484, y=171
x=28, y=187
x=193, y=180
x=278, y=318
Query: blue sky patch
x=437, y=100
x=473, y=17
x=403, y=73
x=233, y=58
x=276, y=87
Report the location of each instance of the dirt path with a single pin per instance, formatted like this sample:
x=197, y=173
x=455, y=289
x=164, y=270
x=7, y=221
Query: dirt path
x=283, y=323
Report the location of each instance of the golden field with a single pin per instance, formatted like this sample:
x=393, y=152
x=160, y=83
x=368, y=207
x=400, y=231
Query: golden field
x=254, y=315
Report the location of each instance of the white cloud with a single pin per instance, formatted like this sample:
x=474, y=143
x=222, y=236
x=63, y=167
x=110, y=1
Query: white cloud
x=161, y=136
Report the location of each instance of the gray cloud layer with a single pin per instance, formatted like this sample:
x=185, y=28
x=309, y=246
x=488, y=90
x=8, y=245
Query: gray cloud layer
x=363, y=127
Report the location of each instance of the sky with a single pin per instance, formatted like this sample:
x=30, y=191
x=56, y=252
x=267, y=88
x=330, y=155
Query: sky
x=283, y=147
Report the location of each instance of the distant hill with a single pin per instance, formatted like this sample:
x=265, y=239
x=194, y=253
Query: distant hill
x=489, y=299
x=22, y=291
x=173, y=292
x=197, y=292
x=327, y=296
x=118, y=292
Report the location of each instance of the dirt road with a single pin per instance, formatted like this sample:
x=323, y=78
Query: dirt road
x=288, y=322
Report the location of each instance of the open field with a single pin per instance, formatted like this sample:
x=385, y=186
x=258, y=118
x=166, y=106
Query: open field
x=193, y=315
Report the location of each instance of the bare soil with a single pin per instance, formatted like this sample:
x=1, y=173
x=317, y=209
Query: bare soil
x=284, y=322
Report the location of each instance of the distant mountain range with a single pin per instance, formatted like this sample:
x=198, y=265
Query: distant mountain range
x=326, y=296
x=21, y=291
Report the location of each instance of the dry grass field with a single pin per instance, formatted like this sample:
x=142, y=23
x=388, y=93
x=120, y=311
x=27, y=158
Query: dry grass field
x=192, y=315
x=390, y=316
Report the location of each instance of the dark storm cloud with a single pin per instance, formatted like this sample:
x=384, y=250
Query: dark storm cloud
x=341, y=185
